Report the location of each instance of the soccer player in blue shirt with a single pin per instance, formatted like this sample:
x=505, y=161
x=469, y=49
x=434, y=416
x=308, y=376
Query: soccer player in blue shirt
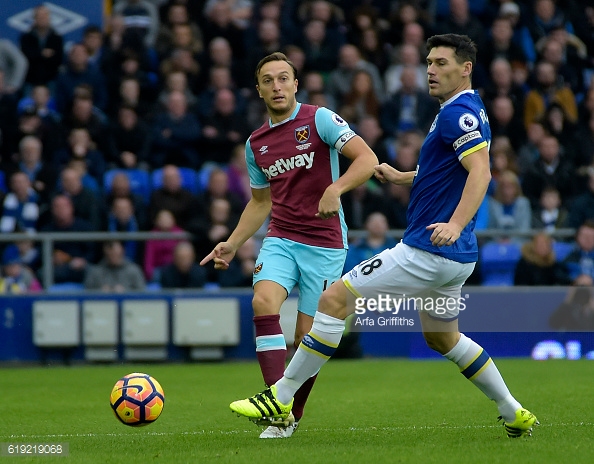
x=438, y=251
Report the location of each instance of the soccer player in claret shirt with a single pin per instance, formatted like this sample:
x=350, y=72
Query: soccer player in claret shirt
x=294, y=175
x=437, y=253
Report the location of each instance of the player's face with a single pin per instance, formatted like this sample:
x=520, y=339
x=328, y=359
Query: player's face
x=446, y=77
x=277, y=87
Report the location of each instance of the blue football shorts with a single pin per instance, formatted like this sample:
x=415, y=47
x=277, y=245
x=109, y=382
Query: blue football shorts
x=290, y=263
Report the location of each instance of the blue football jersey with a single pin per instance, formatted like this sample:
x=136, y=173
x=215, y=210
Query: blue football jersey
x=460, y=128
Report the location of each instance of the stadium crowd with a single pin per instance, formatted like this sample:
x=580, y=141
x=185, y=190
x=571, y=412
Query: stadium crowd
x=141, y=125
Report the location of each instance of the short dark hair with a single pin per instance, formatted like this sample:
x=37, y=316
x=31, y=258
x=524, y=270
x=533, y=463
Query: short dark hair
x=464, y=48
x=276, y=56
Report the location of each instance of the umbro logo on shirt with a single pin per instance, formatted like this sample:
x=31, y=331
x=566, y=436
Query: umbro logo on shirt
x=264, y=149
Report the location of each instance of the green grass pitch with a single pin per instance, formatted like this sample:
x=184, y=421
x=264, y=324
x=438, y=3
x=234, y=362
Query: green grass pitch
x=368, y=411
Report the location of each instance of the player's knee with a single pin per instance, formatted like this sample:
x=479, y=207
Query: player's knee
x=331, y=305
x=263, y=305
x=438, y=341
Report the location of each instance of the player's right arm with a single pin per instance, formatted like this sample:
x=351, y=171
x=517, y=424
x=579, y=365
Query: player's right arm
x=386, y=173
x=252, y=218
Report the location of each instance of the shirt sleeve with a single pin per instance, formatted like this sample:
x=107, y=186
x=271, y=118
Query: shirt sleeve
x=463, y=129
x=332, y=129
x=257, y=178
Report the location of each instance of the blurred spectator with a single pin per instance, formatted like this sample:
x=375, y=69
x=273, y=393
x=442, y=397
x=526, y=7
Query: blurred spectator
x=549, y=215
x=173, y=197
x=237, y=173
x=359, y=203
x=16, y=278
x=219, y=78
x=80, y=147
x=462, y=21
x=552, y=168
x=220, y=23
x=350, y=61
x=407, y=12
x=82, y=114
x=44, y=104
x=408, y=56
x=183, y=272
x=375, y=241
x=529, y=153
x=240, y=11
x=175, y=132
x=581, y=209
x=556, y=124
x=30, y=123
x=577, y=310
x=87, y=204
x=568, y=55
x=115, y=272
x=120, y=188
x=141, y=17
x=537, y=265
x=182, y=59
x=220, y=54
x=369, y=129
x=128, y=82
x=14, y=64
x=129, y=141
x=578, y=267
x=501, y=44
x=546, y=17
x=159, y=252
x=266, y=41
x=361, y=99
x=241, y=269
x=522, y=37
x=43, y=48
x=8, y=118
x=548, y=90
x=29, y=254
x=319, y=47
x=582, y=148
x=177, y=13
x=501, y=84
x=70, y=259
x=88, y=181
x=93, y=42
x=20, y=208
x=121, y=218
x=411, y=107
x=76, y=72
x=223, y=129
x=177, y=81
x=504, y=121
x=218, y=189
x=508, y=208
x=42, y=175
x=312, y=83
x=503, y=159
x=373, y=49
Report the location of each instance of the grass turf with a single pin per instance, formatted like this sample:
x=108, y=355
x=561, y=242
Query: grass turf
x=371, y=411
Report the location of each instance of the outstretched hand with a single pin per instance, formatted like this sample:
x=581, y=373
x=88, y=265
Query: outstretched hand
x=222, y=254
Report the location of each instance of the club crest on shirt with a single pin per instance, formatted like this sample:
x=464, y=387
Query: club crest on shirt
x=258, y=268
x=468, y=122
x=434, y=124
x=302, y=134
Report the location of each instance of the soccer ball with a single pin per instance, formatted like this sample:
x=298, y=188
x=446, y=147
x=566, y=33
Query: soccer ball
x=137, y=399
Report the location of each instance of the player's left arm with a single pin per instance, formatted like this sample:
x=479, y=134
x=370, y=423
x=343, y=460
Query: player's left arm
x=479, y=176
x=363, y=160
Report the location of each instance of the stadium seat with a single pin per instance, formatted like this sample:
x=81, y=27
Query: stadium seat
x=498, y=263
x=2, y=182
x=139, y=181
x=188, y=175
x=562, y=249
